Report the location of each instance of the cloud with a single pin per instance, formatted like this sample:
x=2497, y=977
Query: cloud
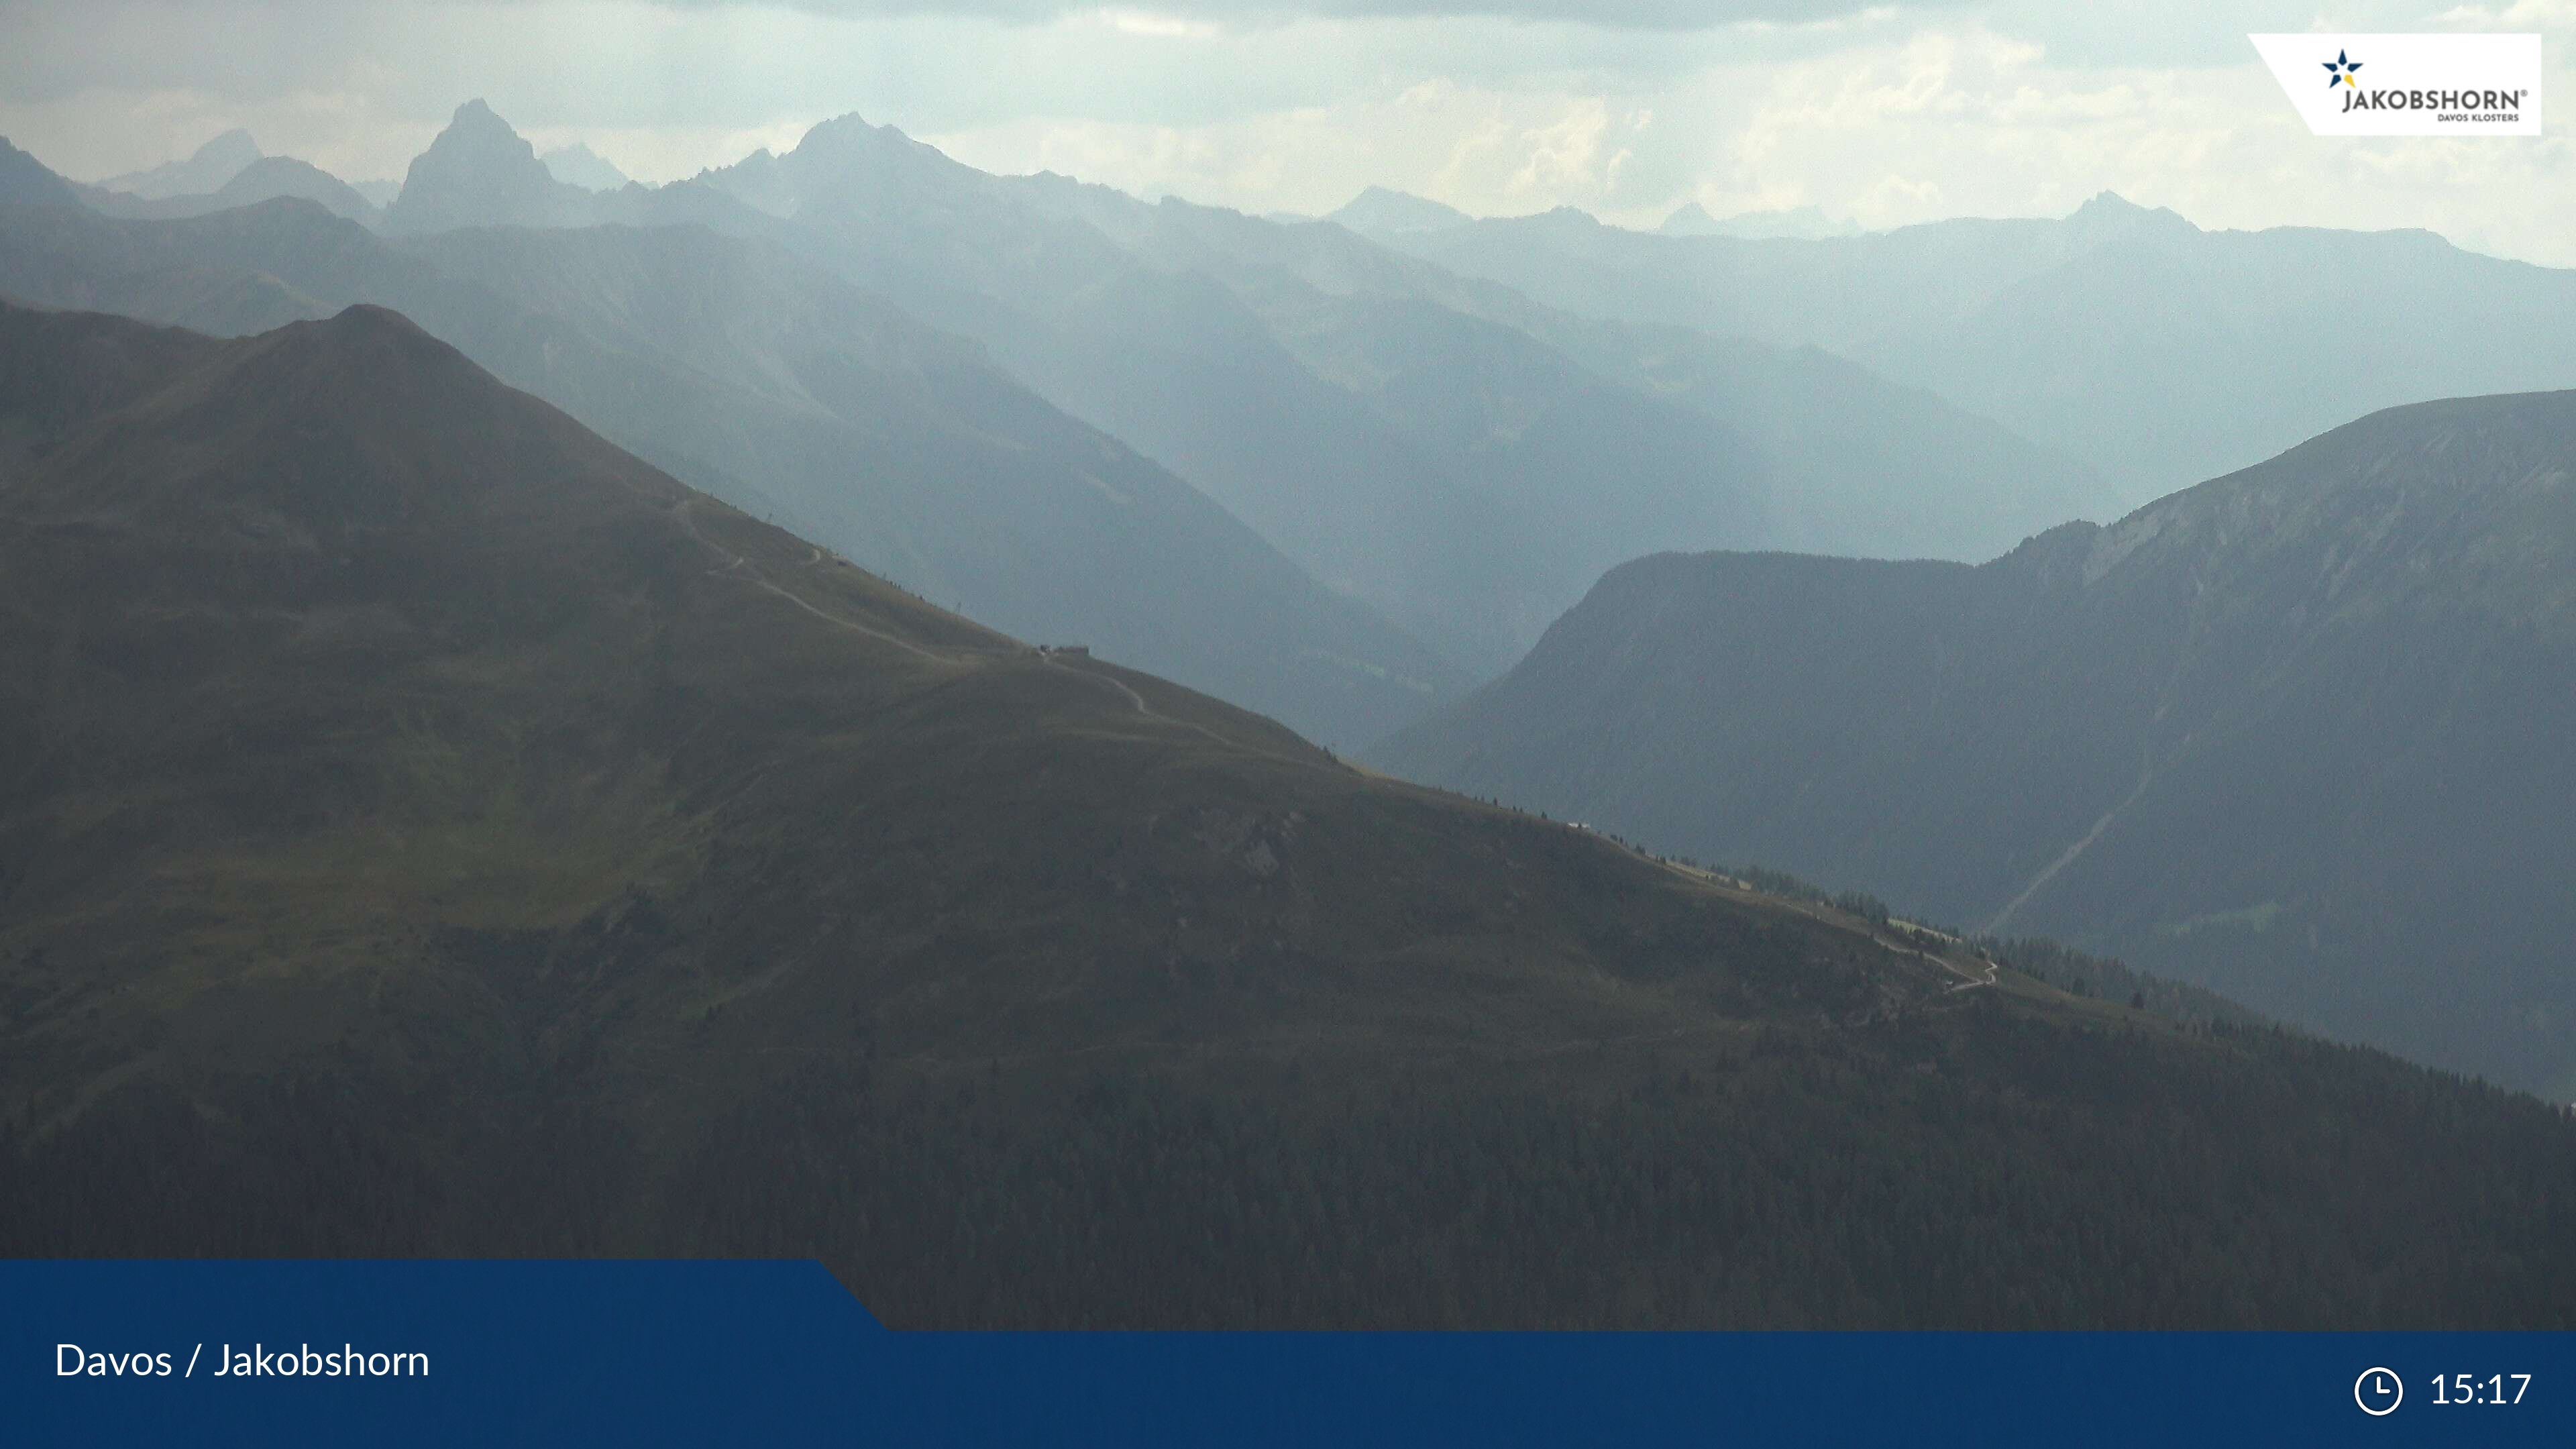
x=1881, y=115
x=1565, y=153
x=2518, y=15
x=1616, y=14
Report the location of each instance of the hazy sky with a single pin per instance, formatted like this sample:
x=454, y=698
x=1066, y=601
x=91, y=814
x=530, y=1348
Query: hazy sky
x=1884, y=114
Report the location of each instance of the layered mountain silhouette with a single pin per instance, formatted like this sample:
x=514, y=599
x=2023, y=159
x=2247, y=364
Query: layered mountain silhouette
x=206, y=171
x=1440, y=452
x=790, y=392
x=479, y=172
x=2157, y=352
x=25, y=181
x=1424, y=444
x=2294, y=734
x=1378, y=209
x=426, y=829
x=578, y=165
x=264, y=179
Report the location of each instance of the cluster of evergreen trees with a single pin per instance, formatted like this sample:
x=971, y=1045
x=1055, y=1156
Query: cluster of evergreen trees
x=1978, y=1168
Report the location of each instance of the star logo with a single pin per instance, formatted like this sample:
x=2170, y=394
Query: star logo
x=2339, y=71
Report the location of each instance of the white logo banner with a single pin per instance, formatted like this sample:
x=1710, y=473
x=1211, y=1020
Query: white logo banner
x=2409, y=85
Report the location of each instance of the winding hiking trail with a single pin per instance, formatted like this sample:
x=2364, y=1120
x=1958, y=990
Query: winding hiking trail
x=742, y=568
x=1138, y=700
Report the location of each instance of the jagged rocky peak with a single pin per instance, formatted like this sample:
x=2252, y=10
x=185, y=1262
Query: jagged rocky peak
x=481, y=172
x=2109, y=210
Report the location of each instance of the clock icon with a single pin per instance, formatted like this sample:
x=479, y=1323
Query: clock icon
x=2378, y=1391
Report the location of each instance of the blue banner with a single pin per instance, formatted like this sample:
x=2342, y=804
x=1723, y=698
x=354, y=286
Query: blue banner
x=667, y=1352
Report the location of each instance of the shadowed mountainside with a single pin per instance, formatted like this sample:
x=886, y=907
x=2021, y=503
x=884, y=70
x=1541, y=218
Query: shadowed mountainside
x=2295, y=734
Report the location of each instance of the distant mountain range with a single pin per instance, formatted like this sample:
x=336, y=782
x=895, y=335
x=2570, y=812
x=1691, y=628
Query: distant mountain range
x=2132, y=348
x=1430, y=446
x=1251, y=359
x=428, y=830
x=265, y=179
x=1404, y=438
x=227, y=172
x=2155, y=351
x=1379, y=210
x=2296, y=734
x=203, y=173
x=578, y=165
